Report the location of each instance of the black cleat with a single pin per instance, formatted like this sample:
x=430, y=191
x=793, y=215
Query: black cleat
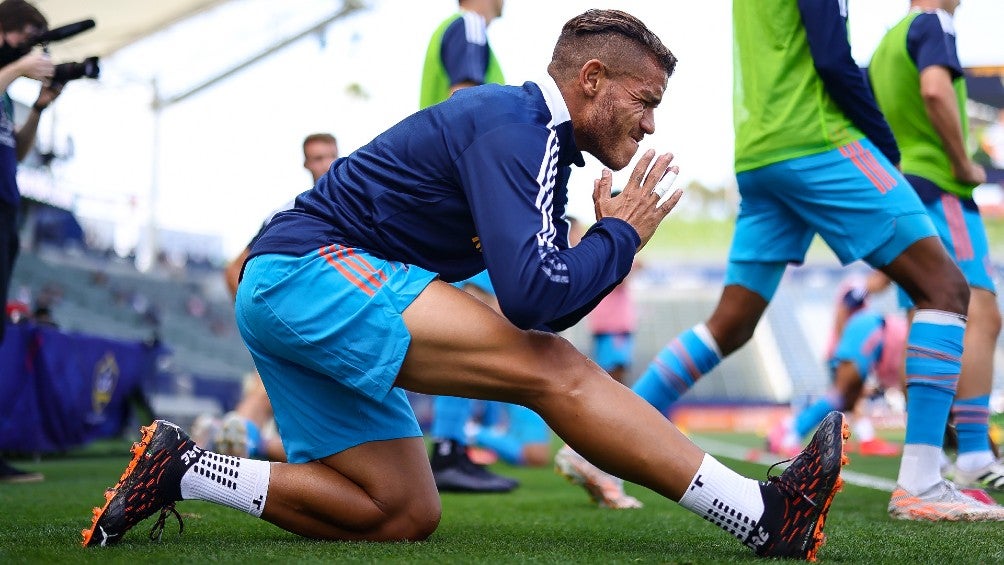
x=151, y=482
x=454, y=471
x=797, y=500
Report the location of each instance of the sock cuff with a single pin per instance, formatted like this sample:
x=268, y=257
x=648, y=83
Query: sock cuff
x=704, y=334
x=258, y=503
x=974, y=402
x=940, y=317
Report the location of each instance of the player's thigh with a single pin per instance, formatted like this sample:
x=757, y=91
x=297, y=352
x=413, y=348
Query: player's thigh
x=404, y=479
x=461, y=347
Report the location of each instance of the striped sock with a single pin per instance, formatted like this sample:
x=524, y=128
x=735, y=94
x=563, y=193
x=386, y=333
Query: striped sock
x=677, y=367
x=972, y=422
x=933, y=362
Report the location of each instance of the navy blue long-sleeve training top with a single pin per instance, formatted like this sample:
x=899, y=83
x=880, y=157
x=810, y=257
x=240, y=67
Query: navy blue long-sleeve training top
x=825, y=23
x=478, y=181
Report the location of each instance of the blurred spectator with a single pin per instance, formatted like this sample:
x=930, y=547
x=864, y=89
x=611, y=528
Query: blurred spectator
x=19, y=20
x=992, y=141
x=43, y=316
x=17, y=312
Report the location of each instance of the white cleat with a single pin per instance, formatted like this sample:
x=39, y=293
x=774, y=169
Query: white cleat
x=606, y=490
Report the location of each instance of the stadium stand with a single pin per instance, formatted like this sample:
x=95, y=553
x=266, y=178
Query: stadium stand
x=187, y=312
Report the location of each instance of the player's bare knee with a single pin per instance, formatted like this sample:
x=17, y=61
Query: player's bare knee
x=425, y=524
x=945, y=289
x=408, y=519
x=416, y=524
x=962, y=293
x=557, y=370
x=730, y=335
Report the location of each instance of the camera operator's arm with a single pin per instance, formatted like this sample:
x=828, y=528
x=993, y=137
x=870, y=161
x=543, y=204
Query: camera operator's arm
x=34, y=65
x=25, y=135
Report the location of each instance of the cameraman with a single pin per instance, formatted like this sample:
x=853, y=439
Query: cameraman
x=19, y=21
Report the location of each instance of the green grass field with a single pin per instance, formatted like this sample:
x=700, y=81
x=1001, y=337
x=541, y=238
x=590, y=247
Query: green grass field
x=708, y=240
x=546, y=520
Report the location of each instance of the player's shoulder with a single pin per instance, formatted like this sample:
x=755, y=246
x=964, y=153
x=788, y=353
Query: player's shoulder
x=934, y=20
x=467, y=25
x=493, y=105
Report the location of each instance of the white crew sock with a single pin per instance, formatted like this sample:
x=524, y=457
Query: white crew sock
x=725, y=498
x=231, y=481
x=919, y=469
x=974, y=460
x=943, y=462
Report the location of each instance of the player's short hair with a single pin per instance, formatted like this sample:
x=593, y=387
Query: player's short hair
x=15, y=15
x=611, y=36
x=323, y=137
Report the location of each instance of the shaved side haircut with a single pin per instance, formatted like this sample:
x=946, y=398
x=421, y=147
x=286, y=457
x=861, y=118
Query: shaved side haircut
x=612, y=36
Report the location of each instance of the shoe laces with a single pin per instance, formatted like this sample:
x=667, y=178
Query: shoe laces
x=157, y=531
x=952, y=493
x=786, y=484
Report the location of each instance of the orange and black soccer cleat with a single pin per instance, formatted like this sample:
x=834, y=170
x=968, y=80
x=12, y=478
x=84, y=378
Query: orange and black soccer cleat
x=797, y=500
x=151, y=482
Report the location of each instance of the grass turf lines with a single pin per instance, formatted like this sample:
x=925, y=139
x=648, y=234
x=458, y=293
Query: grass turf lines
x=544, y=521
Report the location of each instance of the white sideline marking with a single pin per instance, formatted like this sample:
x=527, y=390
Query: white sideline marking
x=733, y=451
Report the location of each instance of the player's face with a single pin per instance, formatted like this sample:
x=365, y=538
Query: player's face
x=318, y=156
x=622, y=113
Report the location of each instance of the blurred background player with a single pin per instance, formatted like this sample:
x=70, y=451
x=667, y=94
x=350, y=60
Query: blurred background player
x=19, y=21
x=513, y=433
x=248, y=430
x=920, y=86
x=612, y=324
x=459, y=56
x=871, y=343
x=992, y=141
x=814, y=155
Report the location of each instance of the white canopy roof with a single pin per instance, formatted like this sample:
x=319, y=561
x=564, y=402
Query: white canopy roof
x=119, y=22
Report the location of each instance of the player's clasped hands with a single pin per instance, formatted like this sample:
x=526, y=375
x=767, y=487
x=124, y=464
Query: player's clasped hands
x=644, y=202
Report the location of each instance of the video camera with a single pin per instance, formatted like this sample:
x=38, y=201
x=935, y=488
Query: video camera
x=64, y=72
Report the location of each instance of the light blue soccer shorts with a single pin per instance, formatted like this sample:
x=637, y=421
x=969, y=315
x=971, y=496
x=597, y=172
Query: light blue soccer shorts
x=613, y=350
x=851, y=196
x=962, y=231
x=479, y=280
x=326, y=334
x=860, y=343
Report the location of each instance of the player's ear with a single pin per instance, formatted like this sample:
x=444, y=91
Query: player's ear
x=591, y=75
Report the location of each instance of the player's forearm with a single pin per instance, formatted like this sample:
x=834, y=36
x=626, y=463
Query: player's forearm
x=942, y=109
x=8, y=74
